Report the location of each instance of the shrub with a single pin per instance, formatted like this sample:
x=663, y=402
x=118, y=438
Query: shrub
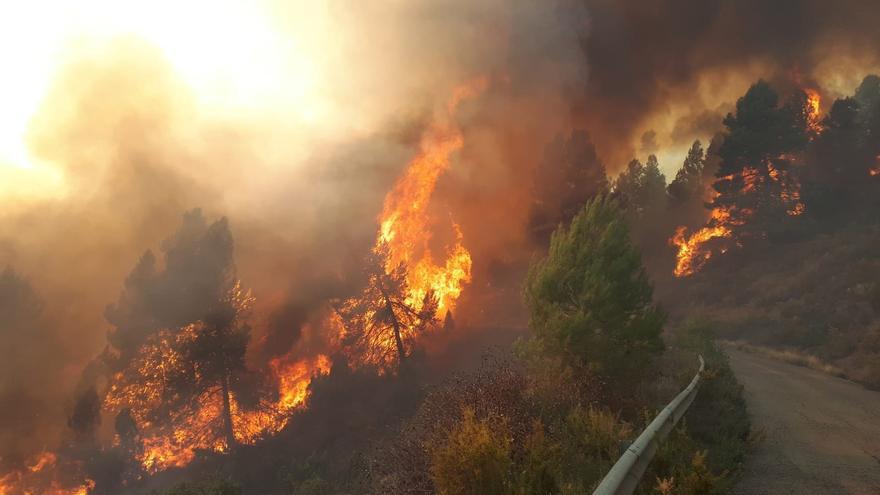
x=474, y=458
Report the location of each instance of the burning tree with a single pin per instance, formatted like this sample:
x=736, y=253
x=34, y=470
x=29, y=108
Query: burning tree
x=182, y=380
x=406, y=289
x=754, y=179
x=845, y=156
x=757, y=186
x=195, y=273
x=382, y=322
x=178, y=381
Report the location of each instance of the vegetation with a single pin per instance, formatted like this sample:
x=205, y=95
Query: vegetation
x=688, y=182
x=798, y=280
x=569, y=175
x=212, y=486
x=474, y=458
x=590, y=299
x=381, y=324
x=546, y=421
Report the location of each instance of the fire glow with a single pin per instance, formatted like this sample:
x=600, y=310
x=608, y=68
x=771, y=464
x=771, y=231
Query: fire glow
x=814, y=108
x=404, y=222
x=40, y=477
x=198, y=428
x=694, y=251
x=405, y=228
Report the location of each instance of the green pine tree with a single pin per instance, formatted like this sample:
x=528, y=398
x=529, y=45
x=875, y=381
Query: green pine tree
x=590, y=300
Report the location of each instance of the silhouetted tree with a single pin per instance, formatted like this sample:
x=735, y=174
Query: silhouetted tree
x=86, y=415
x=197, y=270
x=641, y=189
x=653, y=186
x=839, y=164
x=628, y=185
x=381, y=322
x=688, y=182
x=868, y=97
x=761, y=130
x=176, y=373
x=762, y=142
x=569, y=175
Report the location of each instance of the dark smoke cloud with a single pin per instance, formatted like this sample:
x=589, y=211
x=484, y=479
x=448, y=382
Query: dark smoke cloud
x=135, y=154
x=647, y=59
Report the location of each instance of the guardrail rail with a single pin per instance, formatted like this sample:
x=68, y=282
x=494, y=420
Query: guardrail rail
x=626, y=473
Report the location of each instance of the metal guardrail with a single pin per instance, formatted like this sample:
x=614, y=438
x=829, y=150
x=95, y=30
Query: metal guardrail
x=626, y=473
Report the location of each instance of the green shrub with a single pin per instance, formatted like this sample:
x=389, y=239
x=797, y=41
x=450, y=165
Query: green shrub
x=590, y=300
x=474, y=458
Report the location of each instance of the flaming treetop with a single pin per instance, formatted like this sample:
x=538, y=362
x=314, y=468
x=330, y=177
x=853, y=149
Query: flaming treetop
x=405, y=223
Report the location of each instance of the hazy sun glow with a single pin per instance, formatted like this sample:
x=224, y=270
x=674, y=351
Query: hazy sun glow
x=227, y=51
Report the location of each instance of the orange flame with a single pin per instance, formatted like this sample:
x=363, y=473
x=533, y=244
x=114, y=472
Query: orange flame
x=40, y=477
x=814, y=108
x=404, y=222
x=694, y=251
x=177, y=449
x=175, y=444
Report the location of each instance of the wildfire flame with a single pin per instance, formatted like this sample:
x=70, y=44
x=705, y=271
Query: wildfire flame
x=695, y=250
x=39, y=477
x=404, y=225
x=177, y=449
x=176, y=444
x=405, y=228
x=814, y=107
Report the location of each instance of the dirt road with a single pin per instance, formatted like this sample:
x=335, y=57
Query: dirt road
x=822, y=433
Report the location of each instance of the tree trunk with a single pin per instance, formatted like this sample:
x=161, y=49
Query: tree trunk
x=228, y=430
x=396, y=325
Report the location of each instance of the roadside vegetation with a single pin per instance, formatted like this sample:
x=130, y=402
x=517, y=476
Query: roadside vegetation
x=554, y=416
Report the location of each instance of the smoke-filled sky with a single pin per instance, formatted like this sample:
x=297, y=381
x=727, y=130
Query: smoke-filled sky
x=292, y=118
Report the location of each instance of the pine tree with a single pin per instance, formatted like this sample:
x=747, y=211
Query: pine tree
x=382, y=322
x=180, y=338
x=641, y=189
x=590, y=300
x=688, y=182
x=569, y=175
x=762, y=141
x=177, y=372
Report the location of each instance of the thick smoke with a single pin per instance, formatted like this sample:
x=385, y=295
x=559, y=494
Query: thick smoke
x=134, y=149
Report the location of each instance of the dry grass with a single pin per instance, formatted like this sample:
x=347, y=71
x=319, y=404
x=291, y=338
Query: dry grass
x=790, y=356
